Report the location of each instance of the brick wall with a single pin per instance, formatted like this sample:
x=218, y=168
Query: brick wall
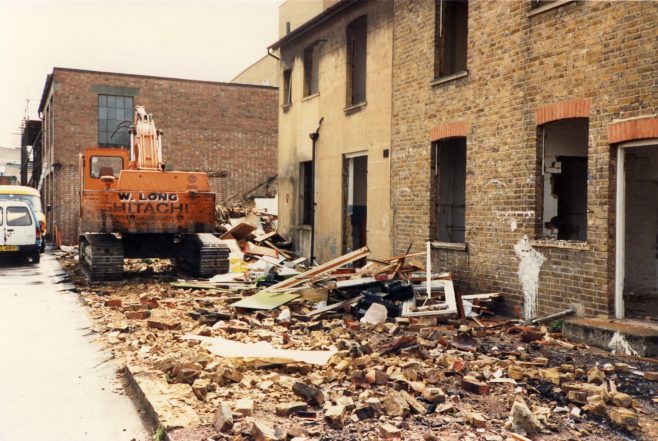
x=604, y=53
x=229, y=130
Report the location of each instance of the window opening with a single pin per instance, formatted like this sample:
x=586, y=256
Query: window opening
x=311, y=69
x=357, y=51
x=564, y=172
x=451, y=37
x=287, y=86
x=449, y=176
x=305, y=193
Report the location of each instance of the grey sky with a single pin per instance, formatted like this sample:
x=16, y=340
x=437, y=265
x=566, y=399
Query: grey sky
x=212, y=40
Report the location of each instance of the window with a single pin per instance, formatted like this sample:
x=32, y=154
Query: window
x=357, y=49
x=534, y=4
x=311, y=69
x=306, y=192
x=106, y=166
x=0, y=216
x=287, y=86
x=112, y=111
x=563, y=152
x=451, y=36
x=449, y=190
x=18, y=217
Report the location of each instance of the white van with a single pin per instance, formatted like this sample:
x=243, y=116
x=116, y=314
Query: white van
x=19, y=229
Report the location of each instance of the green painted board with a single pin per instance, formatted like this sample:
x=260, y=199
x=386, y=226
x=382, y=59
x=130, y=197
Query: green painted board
x=266, y=300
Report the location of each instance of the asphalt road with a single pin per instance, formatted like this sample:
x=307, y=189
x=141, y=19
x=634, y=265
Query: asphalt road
x=56, y=383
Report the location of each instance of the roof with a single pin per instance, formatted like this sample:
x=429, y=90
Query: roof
x=322, y=17
x=19, y=189
x=49, y=80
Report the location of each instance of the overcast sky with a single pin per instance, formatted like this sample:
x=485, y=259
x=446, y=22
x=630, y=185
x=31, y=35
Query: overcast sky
x=211, y=40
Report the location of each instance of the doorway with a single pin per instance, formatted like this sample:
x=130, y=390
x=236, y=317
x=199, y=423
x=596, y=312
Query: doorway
x=637, y=231
x=355, y=206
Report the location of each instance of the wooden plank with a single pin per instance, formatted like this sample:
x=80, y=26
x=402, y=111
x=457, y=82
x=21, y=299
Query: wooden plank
x=334, y=306
x=239, y=232
x=491, y=295
x=265, y=300
x=318, y=270
x=250, y=248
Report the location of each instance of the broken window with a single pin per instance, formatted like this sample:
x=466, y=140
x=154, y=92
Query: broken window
x=311, y=69
x=563, y=147
x=451, y=35
x=112, y=111
x=357, y=32
x=287, y=86
x=306, y=192
x=449, y=190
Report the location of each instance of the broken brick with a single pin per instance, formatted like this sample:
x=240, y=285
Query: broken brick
x=473, y=385
x=113, y=303
x=163, y=326
x=223, y=419
x=310, y=394
x=389, y=431
x=138, y=315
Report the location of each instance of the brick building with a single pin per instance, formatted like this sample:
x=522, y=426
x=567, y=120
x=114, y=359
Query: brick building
x=227, y=130
x=511, y=124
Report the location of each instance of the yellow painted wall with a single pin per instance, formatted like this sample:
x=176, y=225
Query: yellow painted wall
x=366, y=129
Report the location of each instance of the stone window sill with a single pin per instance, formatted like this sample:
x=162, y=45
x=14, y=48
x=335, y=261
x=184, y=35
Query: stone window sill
x=286, y=106
x=562, y=244
x=304, y=227
x=310, y=97
x=354, y=107
x=448, y=246
x=548, y=7
x=449, y=78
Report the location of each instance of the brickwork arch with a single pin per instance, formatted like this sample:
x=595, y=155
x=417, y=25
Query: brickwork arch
x=562, y=110
x=633, y=129
x=449, y=130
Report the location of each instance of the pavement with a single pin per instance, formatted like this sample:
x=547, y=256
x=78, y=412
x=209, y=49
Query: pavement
x=56, y=383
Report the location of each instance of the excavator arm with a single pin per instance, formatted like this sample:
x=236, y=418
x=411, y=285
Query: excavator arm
x=145, y=142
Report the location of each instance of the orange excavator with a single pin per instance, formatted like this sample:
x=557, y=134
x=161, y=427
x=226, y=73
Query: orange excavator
x=132, y=206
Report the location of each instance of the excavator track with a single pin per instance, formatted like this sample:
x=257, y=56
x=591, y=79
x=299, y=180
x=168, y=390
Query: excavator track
x=204, y=255
x=101, y=256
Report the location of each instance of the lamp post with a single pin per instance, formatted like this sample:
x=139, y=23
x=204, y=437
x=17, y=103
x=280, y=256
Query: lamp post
x=314, y=138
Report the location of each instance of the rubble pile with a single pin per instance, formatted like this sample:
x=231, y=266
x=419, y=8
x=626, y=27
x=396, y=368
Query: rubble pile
x=276, y=351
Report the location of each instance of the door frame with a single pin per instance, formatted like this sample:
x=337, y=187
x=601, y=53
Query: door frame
x=348, y=183
x=620, y=222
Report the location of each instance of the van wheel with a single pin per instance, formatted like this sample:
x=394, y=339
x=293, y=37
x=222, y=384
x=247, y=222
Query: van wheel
x=36, y=257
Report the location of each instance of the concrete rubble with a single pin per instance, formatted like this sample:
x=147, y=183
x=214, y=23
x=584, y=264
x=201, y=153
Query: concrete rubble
x=401, y=369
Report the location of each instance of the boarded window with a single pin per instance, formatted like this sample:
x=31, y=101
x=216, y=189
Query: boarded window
x=357, y=50
x=311, y=69
x=451, y=37
x=563, y=153
x=112, y=111
x=306, y=192
x=449, y=190
x=287, y=86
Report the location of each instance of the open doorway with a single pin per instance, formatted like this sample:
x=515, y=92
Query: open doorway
x=355, y=208
x=638, y=216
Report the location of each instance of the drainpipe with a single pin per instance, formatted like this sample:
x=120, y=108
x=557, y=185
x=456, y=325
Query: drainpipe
x=314, y=138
